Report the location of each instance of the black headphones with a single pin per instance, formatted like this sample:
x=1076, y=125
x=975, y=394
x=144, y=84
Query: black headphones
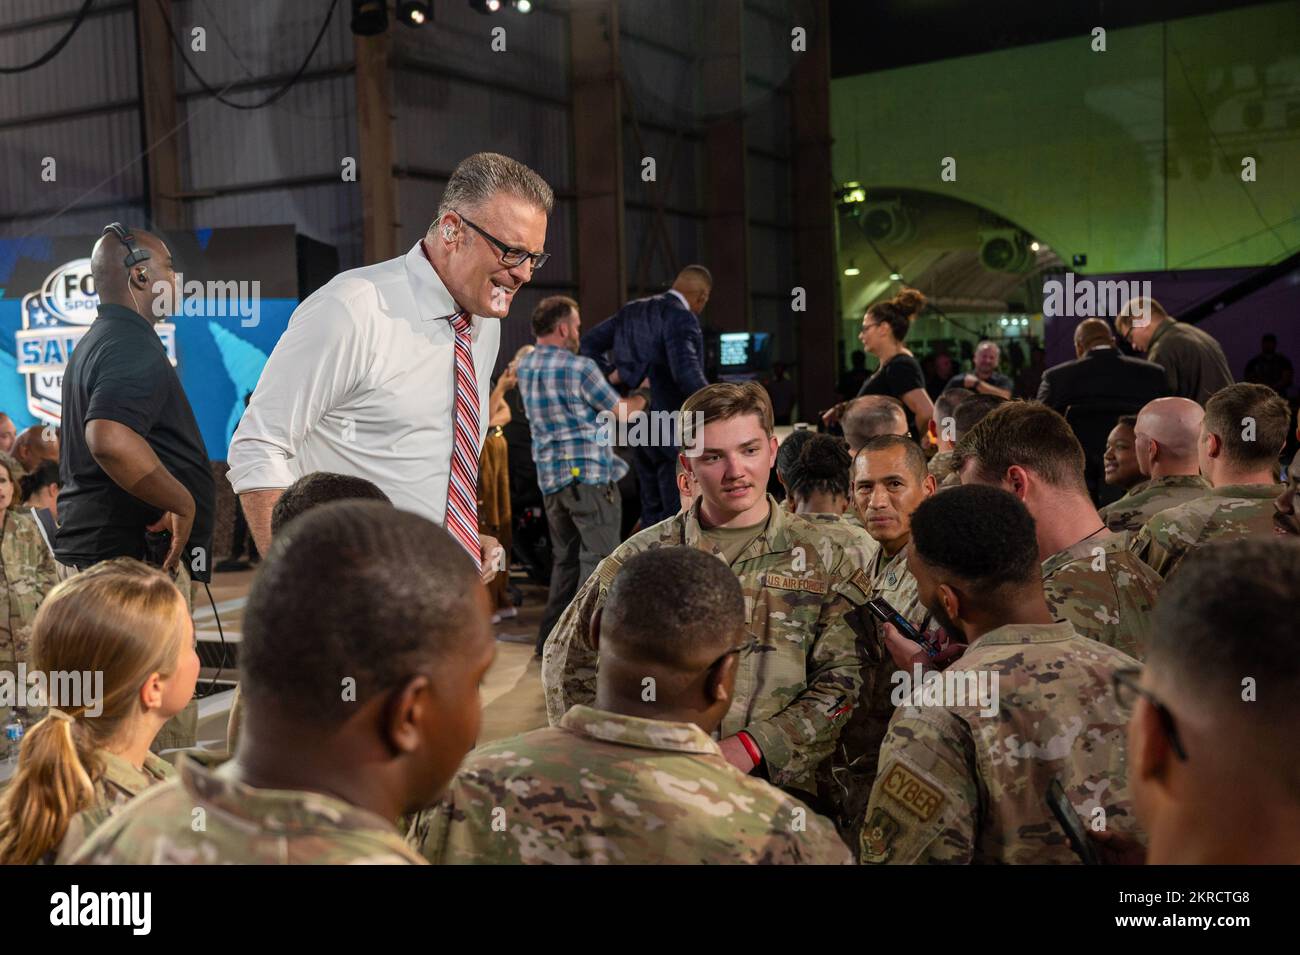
x=134, y=254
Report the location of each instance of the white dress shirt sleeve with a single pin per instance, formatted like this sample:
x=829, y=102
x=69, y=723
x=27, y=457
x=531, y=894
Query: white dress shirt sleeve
x=314, y=366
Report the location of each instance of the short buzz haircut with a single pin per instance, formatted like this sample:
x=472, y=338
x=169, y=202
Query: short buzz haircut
x=913, y=456
x=550, y=311
x=700, y=273
x=871, y=415
x=353, y=590
x=481, y=176
x=1127, y=421
x=984, y=536
x=945, y=406
x=722, y=402
x=673, y=606
x=321, y=487
x=1229, y=412
x=1226, y=615
x=972, y=411
x=1026, y=434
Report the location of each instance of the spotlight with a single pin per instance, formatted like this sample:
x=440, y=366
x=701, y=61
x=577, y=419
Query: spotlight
x=415, y=13
x=895, y=277
x=369, y=17
x=522, y=6
x=852, y=270
x=485, y=6
x=1033, y=246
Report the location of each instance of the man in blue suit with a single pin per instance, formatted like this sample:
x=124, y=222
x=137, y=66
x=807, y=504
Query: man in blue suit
x=657, y=338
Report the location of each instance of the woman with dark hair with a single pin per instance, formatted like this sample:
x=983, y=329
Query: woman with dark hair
x=814, y=470
x=884, y=327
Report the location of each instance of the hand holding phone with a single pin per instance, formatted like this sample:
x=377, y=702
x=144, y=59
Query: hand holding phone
x=1064, y=812
x=882, y=610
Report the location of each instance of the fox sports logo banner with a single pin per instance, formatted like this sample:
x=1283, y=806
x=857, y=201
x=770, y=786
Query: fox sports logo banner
x=54, y=319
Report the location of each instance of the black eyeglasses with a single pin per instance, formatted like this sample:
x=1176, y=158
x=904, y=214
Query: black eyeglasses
x=1128, y=689
x=510, y=257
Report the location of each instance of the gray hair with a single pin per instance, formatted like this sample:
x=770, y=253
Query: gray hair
x=483, y=175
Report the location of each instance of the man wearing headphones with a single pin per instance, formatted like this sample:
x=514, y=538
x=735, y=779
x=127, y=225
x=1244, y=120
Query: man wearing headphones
x=136, y=477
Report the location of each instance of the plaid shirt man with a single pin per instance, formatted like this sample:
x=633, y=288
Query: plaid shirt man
x=563, y=394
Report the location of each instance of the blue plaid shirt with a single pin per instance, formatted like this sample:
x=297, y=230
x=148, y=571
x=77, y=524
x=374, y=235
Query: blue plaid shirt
x=563, y=393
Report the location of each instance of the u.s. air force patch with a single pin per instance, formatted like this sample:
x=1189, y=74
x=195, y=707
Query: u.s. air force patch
x=781, y=582
x=878, y=834
x=910, y=791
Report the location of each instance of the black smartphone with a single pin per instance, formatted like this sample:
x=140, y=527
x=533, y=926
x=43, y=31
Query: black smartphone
x=1071, y=823
x=882, y=610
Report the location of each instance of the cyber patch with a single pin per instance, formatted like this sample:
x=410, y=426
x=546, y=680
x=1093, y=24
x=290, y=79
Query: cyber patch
x=878, y=834
x=915, y=794
x=781, y=582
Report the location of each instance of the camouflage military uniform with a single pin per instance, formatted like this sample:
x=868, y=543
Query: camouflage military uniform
x=793, y=693
x=27, y=574
x=119, y=783
x=1103, y=591
x=959, y=787
x=604, y=788
x=848, y=775
x=1149, y=498
x=1225, y=513
x=943, y=470
x=240, y=825
x=858, y=546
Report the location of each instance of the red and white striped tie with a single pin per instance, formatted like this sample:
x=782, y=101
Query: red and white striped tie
x=462, y=487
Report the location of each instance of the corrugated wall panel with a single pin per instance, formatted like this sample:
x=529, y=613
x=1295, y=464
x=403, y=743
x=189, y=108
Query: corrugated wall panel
x=253, y=39
x=96, y=154
x=97, y=66
x=460, y=41
x=308, y=132
x=441, y=120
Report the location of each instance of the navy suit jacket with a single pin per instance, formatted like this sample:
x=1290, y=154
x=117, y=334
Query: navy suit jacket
x=1103, y=374
x=654, y=337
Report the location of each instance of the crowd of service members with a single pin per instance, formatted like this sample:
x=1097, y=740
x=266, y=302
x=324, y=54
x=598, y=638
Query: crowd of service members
x=720, y=689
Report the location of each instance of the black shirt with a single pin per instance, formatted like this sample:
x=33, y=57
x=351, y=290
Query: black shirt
x=895, y=378
x=119, y=372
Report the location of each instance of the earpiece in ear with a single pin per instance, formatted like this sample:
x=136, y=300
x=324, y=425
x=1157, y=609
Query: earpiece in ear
x=447, y=232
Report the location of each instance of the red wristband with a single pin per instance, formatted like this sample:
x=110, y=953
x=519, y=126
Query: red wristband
x=751, y=747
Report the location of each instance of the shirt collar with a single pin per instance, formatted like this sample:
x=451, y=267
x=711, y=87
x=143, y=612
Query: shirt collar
x=1178, y=480
x=1110, y=543
x=1025, y=633
x=1163, y=327
x=124, y=313
x=774, y=539
x=1249, y=491
x=278, y=811
x=635, y=731
x=431, y=295
x=121, y=773
x=681, y=298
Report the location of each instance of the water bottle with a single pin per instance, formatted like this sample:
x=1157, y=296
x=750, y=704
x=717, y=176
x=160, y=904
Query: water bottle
x=13, y=736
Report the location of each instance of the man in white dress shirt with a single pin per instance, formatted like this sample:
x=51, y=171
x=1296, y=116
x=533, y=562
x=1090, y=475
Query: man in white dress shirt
x=363, y=380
